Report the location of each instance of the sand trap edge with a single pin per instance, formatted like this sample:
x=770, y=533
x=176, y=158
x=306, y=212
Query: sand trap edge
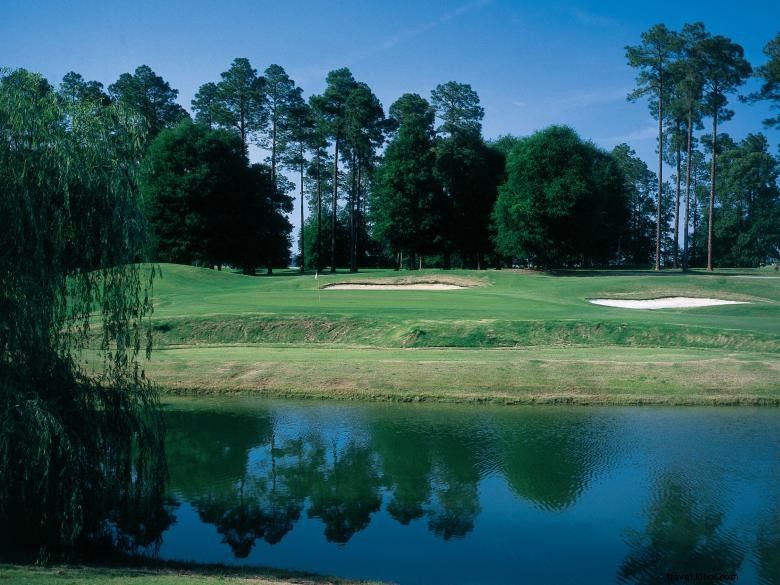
x=411, y=286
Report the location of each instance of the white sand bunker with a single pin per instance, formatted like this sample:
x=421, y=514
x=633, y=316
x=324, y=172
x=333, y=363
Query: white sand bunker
x=664, y=303
x=411, y=286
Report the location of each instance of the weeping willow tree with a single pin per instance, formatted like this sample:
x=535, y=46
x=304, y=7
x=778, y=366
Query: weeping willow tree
x=81, y=455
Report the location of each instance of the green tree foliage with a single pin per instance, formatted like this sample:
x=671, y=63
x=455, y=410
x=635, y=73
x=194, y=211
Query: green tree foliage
x=331, y=109
x=301, y=131
x=318, y=175
x=77, y=452
x=267, y=227
x=687, y=104
x=746, y=231
x=150, y=96
x=311, y=256
x=769, y=72
x=192, y=182
x=407, y=200
x=208, y=206
x=457, y=106
x=74, y=89
x=236, y=103
x=637, y=246
x=283, y=102
x=564, y=202
x=364, y=133
x=723, y=68
x=504, y=144
x=699, y=171
x=205, y=104
x=469, y=172
x=653, y=59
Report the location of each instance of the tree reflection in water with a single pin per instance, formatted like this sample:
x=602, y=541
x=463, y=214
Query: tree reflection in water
x=455, y=480
x=768, y=549
x=345, y=491
x=548, y=459
x=682, y=536
x=209, y=467
x=251, y=483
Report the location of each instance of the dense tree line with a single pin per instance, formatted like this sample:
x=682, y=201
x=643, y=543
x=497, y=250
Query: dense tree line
x=688, y=76
x=421, y=186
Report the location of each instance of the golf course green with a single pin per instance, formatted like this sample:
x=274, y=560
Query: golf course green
x=507, y=336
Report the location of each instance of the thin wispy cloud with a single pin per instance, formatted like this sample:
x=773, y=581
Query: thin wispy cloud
x=519, y=103
x=396, y=39
x=583, y=99
x=639, y=135
x=591, y=19
x=416, y=31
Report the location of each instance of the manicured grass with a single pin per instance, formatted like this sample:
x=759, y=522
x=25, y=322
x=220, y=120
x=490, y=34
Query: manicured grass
x=165, y=575
x=511, y=336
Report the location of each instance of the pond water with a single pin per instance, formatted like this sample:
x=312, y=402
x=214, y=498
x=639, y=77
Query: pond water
x=472, y=494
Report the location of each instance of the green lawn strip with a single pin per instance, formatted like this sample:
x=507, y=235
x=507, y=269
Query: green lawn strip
x=159, y=573
x=608, y=375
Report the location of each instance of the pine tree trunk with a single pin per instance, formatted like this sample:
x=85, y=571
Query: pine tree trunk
x=712, y=189
x=273, y=149
x=687, y=191
x=660, y=175
x=303, y=263
x=319, y=215
x=696, y=221
x=333, y=207
x=358, y=218
x=677, y=202
x=352, y=203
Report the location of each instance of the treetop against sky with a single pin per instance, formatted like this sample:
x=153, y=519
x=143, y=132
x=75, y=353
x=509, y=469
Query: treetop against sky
x=533, y=64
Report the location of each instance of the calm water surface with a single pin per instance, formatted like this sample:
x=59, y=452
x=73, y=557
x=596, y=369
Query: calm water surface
x=467, y=495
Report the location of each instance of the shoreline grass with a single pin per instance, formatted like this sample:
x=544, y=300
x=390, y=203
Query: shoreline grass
x=153, y=572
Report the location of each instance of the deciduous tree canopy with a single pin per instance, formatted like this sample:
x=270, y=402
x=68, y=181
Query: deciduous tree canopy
x=208, y=206
x=564, y=201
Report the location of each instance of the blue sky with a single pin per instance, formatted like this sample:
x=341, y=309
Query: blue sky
x=532, y=63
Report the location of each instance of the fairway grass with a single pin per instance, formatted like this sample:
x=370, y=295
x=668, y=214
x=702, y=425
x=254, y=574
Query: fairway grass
x=510, y=337
x=605, y=375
